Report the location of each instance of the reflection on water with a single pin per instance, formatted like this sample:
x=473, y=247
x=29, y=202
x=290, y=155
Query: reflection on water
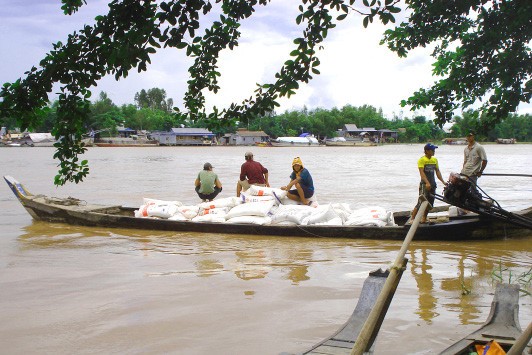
x=65, y=288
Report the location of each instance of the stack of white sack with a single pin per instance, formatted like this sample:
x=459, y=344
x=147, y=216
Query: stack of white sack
x=251, y=213
x=255, y=190
x=370, y=216
x=215, y=211
x=157, y=208
x=323, y=215
x=290, y=214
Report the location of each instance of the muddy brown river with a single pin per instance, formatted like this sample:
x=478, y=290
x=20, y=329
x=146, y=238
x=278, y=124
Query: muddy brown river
x=67, y=289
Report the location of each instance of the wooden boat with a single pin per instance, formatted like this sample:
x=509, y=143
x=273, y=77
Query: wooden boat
x=502, y=325
x=125, y=142
x=506, y=140
x=77, y=212
x=307, y=141
x=343, y=340
x=342, y=142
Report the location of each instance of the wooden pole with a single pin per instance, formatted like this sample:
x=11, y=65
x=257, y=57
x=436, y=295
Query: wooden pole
x=367, y=330
x=493, y=174
x=521, y=342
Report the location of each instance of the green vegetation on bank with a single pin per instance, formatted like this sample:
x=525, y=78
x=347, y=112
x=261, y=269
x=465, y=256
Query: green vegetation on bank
x=152, y=111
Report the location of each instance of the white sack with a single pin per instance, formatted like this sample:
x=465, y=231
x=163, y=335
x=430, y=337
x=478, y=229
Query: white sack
x=178, y=217
x=152, y=201
x=221, y=212
x=189, y=211
x=209, y=218
x=247, y=198
x=291, y=213
x=251, y=209
x=265, y=191
x=320, y=215
x=250, y=220
x=221, y=202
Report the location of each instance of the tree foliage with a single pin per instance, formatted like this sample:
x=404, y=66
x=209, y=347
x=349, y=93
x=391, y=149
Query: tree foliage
x=133, y=30
x=482, y=54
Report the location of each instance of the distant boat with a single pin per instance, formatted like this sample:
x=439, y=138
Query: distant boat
x=455, y=141
x=136, y=141
x=308, y=141
x=30, y=140
x=342, y=142
x=506, y=140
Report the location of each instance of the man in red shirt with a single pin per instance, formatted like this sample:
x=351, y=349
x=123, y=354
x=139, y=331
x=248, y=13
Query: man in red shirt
x=251, y=173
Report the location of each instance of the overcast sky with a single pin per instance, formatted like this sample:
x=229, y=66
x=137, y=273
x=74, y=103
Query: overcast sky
x=355, y=69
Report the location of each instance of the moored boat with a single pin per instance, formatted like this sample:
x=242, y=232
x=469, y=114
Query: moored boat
x=125, y=142
x=77, y=212
x=343, y=142
x=307, y=141
x=502, y=326
x=506, y=140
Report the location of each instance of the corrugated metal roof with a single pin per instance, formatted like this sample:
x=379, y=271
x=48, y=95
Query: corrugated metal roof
x=191, y=131
x=251, y=134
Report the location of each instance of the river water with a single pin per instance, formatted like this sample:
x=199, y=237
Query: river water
x=67, y=289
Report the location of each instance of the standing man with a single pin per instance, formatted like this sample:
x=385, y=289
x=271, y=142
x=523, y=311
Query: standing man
x=302, y=181
x=208, y=186
x=427, y=166
x=251, y=173
x=475, y=161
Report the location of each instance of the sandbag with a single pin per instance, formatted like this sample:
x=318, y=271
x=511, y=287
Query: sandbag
x=150, y=201
x=188, y=211
x=156, y=210
x=265, y=191
x=291, y=213
x=221, y=212
x=250, y=220
x=178, y=217
x=247, y=198
x=209, y=218
x=321, y=214
x=221, y=202
x=260, y=209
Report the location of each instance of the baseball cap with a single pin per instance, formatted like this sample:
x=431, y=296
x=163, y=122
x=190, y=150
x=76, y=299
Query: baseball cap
x=471, y=133
x=207, y=166
x=430, y=146
x=248, y=154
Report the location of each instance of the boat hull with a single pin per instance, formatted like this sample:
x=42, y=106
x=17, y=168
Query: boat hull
x=45, y=209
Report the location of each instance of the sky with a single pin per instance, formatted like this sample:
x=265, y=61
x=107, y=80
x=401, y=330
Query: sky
x=355, y=69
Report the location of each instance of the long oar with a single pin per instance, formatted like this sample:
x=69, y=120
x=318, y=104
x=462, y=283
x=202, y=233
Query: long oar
x=494, y=174
x=521, y=342
x=366, y=333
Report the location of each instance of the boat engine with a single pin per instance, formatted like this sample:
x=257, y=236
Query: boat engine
x=459, y=193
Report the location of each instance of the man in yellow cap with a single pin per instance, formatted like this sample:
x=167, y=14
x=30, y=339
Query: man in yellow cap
x=302, y=180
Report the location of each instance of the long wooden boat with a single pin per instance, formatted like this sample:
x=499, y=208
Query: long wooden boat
x=77, y=212
x=502, y=326
x=350, y=143
x=125, y=142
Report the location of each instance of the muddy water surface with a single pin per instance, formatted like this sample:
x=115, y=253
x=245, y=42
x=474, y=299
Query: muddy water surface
x=67, y=289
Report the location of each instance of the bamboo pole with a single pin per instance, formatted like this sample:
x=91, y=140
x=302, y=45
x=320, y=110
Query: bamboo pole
x=521, y=342
x=367, y=330
x=493, y=174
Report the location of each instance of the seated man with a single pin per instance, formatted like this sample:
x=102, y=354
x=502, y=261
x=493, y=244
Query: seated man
x=251, y=173
x=302, y=180
x=208, y=186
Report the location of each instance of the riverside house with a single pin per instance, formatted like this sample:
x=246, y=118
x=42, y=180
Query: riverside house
x=184, y=136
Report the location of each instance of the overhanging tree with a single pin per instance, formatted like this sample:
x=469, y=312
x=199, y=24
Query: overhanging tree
x=133, y=30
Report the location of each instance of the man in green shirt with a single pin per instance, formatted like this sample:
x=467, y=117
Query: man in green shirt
x=208, y=186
